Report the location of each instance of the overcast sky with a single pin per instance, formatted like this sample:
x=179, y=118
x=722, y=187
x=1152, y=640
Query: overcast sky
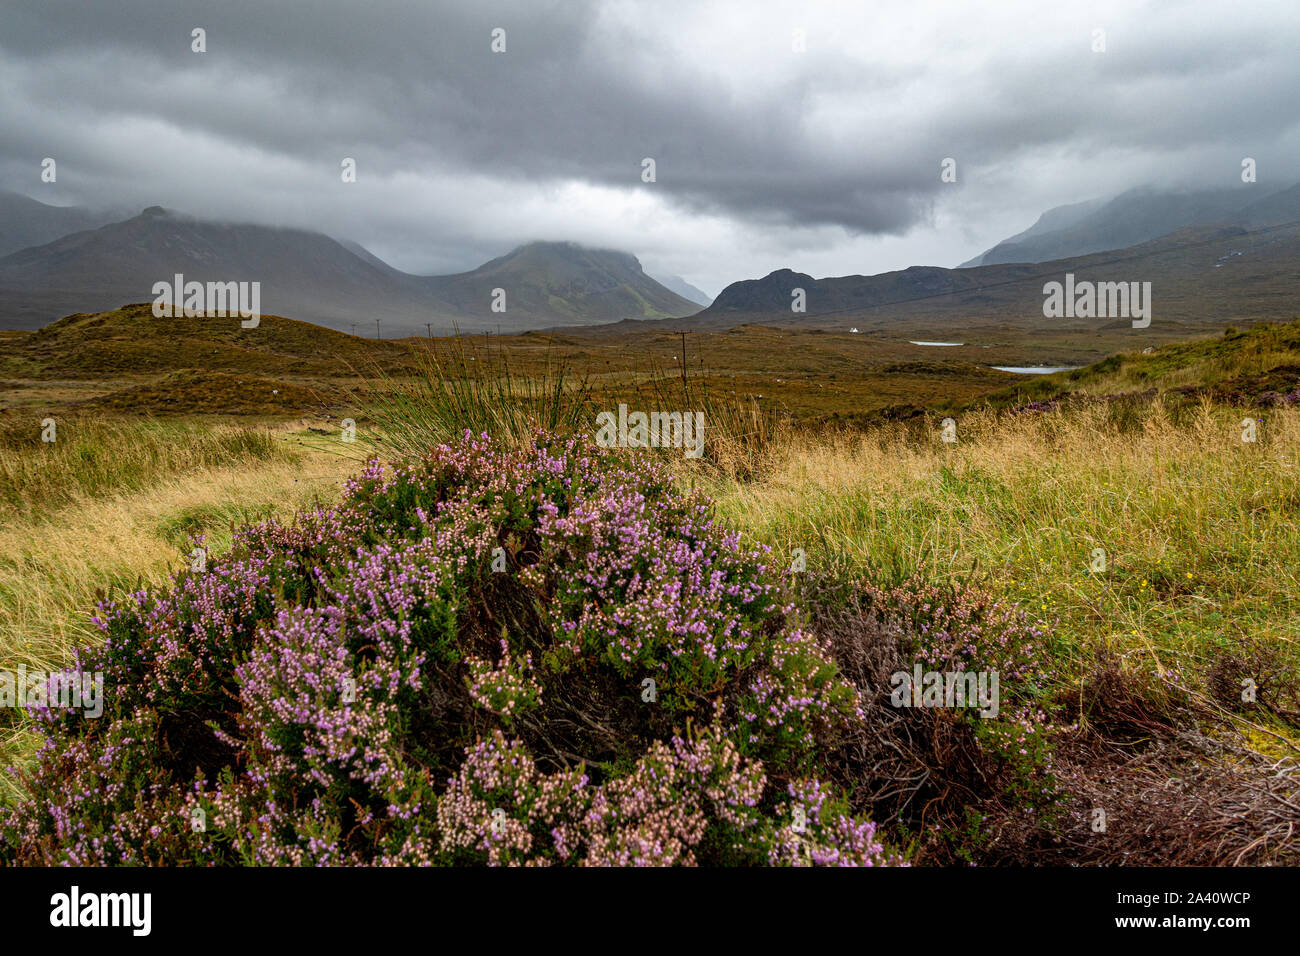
x=826, y=161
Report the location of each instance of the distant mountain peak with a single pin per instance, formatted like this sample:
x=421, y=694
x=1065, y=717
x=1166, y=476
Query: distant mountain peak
x=308, y=275
x=569, y=251
x=684, y=289
x=782, y=275
x=26, y=222
x=1138, y=215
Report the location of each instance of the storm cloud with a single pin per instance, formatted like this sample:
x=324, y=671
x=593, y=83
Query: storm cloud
x=825, y=159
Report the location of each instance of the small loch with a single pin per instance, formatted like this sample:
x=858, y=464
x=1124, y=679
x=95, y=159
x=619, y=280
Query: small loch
x=1035, y=369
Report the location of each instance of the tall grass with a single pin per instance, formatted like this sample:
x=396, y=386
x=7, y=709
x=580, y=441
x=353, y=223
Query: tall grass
x=56, y=561
x=92, y=456
x=461, y=384
x=457, y=386
x=1199, y=528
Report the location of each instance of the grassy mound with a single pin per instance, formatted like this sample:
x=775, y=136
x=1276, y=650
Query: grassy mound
x=215, y=393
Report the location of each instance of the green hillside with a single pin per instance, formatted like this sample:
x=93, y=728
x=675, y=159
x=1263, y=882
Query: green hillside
x=1258, y=366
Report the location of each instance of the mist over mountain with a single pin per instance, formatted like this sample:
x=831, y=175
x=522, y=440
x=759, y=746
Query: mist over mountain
x=28, y=222
x=1136, y=216
x=312, y=277
x=684, y=289
x=1201, y=276
x=558, y=283
x=1057, y=218
x=339, y=284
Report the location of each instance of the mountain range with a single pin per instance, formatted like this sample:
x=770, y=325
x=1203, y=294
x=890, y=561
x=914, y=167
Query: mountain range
x=1201, y=277
x=312, y=277
x=684, y=289
x=26, y=222
x=1137, y=216
x=1212, y=257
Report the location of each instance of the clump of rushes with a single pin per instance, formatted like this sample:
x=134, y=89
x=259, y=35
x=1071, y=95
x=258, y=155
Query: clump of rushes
x=457, y=385
x=461, y=384
x=492, y=655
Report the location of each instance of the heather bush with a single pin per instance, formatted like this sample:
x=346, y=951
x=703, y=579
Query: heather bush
x=950, y=779
x=538, y=655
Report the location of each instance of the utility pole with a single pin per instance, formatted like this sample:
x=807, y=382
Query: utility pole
x=683, y=333
x=354, y=330
x=429, y=326
x=377, y=335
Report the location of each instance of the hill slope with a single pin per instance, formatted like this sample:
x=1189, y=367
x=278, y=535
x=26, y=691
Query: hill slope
x=315, y=278
x=558, y=283
x=1058, y=217
x=1138, y=216
x=684, y=289
x=1201, y=278
x=301, y=273
x=130, y=341
x=1256, y=367
x=26, y=222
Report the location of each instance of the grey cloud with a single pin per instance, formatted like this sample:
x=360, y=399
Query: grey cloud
x=257, y=125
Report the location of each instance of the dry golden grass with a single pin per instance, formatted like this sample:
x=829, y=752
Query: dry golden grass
x=96, y=455
x=1198, y=527
x=53, y=565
